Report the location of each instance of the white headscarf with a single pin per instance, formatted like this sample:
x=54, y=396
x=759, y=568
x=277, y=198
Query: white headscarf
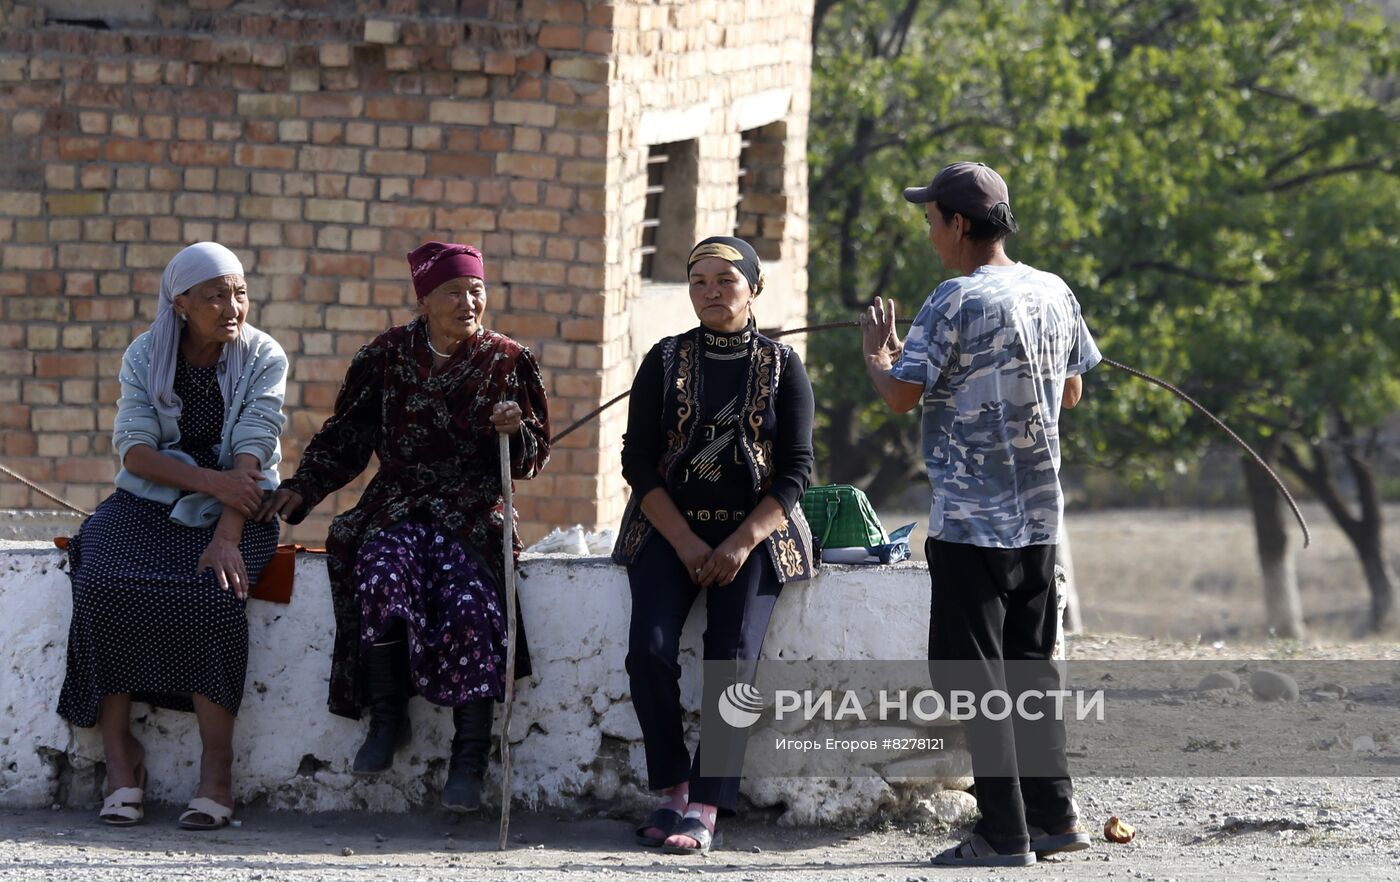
x=197, y=263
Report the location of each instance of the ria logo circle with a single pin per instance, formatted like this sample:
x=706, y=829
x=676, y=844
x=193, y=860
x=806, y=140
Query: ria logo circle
x=740, y=705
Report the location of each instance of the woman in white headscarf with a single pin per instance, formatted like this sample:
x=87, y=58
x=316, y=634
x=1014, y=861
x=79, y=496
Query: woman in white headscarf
x=161, y=569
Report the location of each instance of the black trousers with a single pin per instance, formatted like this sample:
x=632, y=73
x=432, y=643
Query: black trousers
x=992, y=605
x=736, y=621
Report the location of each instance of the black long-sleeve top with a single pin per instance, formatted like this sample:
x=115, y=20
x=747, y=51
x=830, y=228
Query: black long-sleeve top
x=714, y=468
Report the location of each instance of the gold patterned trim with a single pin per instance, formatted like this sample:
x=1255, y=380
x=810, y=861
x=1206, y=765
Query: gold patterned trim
x=789, y=558
x=685, y=396
x=715, y=249
x=758, y=405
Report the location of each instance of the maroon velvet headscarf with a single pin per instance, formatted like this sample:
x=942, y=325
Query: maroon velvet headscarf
x=433, y=263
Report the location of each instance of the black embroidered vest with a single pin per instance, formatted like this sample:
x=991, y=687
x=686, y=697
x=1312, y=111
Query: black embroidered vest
x=790, y=546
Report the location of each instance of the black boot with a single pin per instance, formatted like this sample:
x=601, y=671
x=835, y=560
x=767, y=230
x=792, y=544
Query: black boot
x=386, y=681
x=471, y=746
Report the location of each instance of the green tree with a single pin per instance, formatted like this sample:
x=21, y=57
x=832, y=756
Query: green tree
x=1216, y=180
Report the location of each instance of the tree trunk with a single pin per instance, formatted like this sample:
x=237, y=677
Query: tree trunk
x=1364, y=531
x=1283, y=612
x=1380, y=579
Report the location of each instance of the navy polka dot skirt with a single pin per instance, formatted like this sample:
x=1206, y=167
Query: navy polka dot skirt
x=144, y=622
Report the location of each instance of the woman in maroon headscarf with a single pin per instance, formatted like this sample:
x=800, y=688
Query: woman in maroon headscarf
x=416, y=566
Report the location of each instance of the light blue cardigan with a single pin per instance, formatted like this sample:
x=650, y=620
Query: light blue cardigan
x=252, y=424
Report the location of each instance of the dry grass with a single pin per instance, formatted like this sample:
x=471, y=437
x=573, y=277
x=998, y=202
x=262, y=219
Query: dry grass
x=1178, y=574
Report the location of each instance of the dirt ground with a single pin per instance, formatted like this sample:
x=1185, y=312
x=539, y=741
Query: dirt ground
x=1188, y=830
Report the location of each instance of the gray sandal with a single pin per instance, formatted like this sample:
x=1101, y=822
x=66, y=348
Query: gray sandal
x=977, y=852
x=1043, y=843
x=695, y=829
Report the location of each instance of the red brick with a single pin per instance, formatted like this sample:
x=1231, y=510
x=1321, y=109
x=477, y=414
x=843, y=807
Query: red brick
x=398, y=109
x=147, y=152
x=401, y=217
x=263, y=156
x=62, y=366
x=321, y=369
x=598, y=41
x=332, y=105
x=102, y=309
x=569, y=11
x=354, y=265
x=91, y=471
x=16, y=416
x=543, y=326
x=328, y=159
x=502, y=63
x=386, y=162
x=79, y=148
x=319, y=395
x=542, y=167
x=92, y=95
x=468, y=165
x=532, y=62
x=531, y=221
x=554, y=36
x=16, y=363
x=183, y=153
x=466, y=219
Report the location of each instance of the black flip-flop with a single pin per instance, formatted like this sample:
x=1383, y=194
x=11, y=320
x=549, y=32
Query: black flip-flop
x=663, y=819
x=1043, y=843
x=977, y=852
x=695, y=829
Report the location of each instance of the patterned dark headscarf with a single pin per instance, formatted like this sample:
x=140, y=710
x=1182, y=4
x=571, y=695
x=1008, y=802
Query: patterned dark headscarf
x=737, y=252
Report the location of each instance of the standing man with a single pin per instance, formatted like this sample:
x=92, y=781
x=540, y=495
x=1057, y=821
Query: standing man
x=993, y=355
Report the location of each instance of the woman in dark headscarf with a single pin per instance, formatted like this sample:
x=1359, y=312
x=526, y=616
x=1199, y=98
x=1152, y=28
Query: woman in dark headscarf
x=416, y=566
x=718, y=451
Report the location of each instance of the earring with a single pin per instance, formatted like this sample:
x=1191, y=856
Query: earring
x=182, y=316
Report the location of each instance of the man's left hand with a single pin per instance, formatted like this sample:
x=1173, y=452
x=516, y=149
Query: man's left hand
x=879, y=337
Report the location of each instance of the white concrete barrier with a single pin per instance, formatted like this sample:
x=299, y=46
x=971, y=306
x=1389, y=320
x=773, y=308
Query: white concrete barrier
x=576, y=740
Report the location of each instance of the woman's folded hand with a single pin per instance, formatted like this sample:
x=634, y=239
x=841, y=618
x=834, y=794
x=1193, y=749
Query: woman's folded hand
x=238, y=488
x=695, y=553
x=724, y=564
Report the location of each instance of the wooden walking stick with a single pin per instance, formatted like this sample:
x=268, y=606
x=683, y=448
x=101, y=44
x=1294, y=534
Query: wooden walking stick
x=508, y=550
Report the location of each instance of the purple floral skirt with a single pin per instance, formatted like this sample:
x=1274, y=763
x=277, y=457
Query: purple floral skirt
x=418, y=574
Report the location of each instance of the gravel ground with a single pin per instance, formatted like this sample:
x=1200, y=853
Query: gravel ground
x=1188, y=830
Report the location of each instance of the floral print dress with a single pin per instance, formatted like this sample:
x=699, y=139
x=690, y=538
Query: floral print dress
x=438, y=468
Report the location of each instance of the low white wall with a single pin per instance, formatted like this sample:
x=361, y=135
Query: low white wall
x=576, y=744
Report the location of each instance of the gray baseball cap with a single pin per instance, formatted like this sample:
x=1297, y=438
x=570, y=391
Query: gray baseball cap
x=970, y=188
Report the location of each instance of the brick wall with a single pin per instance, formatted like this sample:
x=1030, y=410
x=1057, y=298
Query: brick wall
x=322, y=145
x=702, y=70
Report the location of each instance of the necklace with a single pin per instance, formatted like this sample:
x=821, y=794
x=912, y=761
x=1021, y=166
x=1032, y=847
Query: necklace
x=433, y=348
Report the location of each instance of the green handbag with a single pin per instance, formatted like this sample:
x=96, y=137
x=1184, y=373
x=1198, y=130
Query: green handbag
x=841, y=517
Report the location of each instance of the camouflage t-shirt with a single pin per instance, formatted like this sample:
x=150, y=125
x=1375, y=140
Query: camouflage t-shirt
x=992, y=351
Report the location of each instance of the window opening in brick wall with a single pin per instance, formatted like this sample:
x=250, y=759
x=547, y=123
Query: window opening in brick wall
x=95, y=24
x=100, y=15
x=668, y=220
x=651, y=219
x=760, y=217
x=744, y=145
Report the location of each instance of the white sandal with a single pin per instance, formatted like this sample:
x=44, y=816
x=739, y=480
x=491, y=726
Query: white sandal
x=202, y=807
x=125, y=806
